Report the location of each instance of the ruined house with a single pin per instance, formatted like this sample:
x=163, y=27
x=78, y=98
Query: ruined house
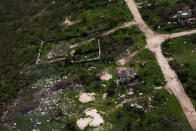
x=127, y=74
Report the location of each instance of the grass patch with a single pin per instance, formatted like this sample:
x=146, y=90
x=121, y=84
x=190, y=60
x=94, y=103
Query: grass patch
x=150, y=74
x=26, y=23
x=182, y=50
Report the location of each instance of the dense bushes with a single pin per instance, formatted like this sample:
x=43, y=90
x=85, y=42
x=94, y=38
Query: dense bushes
x=131, y=118
x=19, y=41
x=24, y=24
x=121, y=41
x=111, y=88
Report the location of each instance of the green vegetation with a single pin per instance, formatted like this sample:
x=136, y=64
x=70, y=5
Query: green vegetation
x=25, y=23
x=49, y=93
x=183, y=52
x=161, y=12
x=165, y=112
x=147, y=67
x=88, y=51
x=120, y=41
x=159, y=108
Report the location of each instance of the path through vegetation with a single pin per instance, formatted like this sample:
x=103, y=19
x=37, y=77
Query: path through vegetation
x=154, y=41
x=125, y=25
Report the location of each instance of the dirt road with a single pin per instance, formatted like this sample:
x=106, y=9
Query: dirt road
x=154, y=41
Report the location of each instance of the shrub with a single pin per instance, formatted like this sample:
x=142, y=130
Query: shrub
x=70, y=125
x=111, y=88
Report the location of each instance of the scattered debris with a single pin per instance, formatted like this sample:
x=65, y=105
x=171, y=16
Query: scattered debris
x=184, y=16
x=44, y=92
x=46, y=83
x=122, y=61
x=137, y=106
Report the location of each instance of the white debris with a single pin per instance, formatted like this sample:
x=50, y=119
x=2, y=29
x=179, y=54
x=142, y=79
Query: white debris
x=103, y=85
x=122, y=96
x=65, y=77
x=104, y=96
x=149, y=4
x=86, y=97
x=94, y=119
x=149, y=98
x=141, y=94
x=53, y=2
x=131, y=92
x=73, y=52
x=106, y=76
x=136, y=105
x=38, y=123
x=68, y=22
x=158, y=88
x=43, y=113
x=35, y=130
x=184, y=13
x=90, y=68
x=33, y=87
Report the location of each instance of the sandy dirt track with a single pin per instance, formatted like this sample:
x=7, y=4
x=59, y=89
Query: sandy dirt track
x=154, y=41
